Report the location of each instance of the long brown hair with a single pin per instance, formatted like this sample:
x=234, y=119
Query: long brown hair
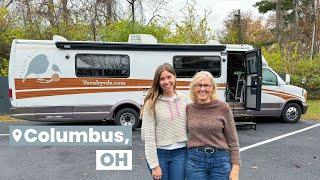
x=155, y=90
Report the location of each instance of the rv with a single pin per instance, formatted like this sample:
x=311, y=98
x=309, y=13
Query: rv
x=61, y=80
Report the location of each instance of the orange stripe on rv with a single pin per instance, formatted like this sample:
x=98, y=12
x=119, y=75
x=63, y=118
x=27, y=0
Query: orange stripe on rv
x=38, y=89
x=32, y=94
x=40, y=93
x=280, y=94
x=283, y=96
x=32, y=83
x=79, y=82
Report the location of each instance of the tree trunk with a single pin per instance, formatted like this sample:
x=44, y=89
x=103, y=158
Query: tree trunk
x=50, y=12
x=65, y=11
x=109, y=11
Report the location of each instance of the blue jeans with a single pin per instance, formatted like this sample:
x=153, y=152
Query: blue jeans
x=172, y=163
x=201, y=165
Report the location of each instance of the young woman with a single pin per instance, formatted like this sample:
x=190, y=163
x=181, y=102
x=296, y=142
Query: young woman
x=164, y=126
x=213, y=145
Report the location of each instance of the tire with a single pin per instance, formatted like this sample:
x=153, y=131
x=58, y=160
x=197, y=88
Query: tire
x=291, y=113
x=128, y=117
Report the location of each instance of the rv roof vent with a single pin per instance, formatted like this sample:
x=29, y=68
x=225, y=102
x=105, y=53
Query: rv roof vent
x=142, y=39
x=213, y=42
x=58, y=38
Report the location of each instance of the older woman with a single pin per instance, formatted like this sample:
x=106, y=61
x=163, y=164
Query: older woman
x=213, y=145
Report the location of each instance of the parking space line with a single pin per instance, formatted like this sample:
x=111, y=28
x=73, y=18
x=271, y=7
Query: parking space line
x=4, y=134
x=277, y=138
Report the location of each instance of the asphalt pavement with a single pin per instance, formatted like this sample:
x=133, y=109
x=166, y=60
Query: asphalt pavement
x=291, y=158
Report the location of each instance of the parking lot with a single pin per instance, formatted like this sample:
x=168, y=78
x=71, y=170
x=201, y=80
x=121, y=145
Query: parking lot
x=266, y=153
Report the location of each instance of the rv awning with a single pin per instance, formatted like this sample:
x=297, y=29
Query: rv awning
x=137, y=47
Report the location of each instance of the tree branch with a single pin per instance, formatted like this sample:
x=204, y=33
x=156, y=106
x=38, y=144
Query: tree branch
x=8, y=4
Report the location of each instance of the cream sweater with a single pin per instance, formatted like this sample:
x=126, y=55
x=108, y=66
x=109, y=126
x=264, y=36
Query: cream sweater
x=167, y=128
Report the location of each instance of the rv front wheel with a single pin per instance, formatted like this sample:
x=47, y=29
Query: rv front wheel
x=291, y=113
x=127, y=117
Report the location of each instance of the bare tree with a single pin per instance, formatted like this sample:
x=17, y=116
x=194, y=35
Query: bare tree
x=51, y=12
x=156, y=7
x=107, y=10
x=5, y=4
x=65, y=11
x=28, y=11
x=131, y=2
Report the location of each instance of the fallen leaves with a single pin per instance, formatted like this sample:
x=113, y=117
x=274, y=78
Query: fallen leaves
x=297, y=165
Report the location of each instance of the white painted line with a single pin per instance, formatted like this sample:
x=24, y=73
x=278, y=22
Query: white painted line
x=277, y=138
x=4, y=134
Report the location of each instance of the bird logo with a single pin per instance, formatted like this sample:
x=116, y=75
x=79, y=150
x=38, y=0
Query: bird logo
x=38, y=66
x=55, y=75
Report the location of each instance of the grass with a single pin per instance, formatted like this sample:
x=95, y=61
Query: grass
x=313, y=112
x=7, y=118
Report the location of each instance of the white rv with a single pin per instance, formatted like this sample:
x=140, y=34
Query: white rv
x=60, y=80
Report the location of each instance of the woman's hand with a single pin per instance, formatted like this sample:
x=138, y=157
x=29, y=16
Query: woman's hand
x=156, y=172
x=234, y=174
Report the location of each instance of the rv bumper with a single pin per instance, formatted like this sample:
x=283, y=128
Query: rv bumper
x=304, y=108
x=62, y=113
x=27, y=113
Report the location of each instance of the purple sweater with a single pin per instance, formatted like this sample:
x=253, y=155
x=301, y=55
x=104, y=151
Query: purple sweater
x=212, y=124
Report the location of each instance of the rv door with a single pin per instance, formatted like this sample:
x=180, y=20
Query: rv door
x=254, y=79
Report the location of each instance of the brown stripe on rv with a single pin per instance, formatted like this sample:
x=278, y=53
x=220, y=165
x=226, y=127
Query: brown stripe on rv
x=282, y=94
x=42, y=93
x=32, y=83
x=78, y=82
x=178, y=88
x=31, y=94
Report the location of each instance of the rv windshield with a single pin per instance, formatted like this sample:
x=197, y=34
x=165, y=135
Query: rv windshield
x=266, y=66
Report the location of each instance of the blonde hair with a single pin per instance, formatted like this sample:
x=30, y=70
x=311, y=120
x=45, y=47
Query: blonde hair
x=199, y=76
x=155, y=90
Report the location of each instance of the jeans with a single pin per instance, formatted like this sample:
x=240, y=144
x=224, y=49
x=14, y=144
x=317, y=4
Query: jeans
x=201, y=165
x=172, y=163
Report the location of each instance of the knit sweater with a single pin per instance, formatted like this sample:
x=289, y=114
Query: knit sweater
x=167, y=128
x=212, y=124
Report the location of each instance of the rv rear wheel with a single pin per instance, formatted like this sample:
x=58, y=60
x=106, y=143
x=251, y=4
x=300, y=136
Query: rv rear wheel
x=128, y=117
x=291, y=113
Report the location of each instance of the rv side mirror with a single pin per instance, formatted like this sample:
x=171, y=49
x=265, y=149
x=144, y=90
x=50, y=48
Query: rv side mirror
x=287, y=80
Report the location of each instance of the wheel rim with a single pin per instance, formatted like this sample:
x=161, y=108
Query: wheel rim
x=292, y=113
x=127, y=119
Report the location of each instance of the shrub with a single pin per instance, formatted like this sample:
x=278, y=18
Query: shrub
x=298, y=67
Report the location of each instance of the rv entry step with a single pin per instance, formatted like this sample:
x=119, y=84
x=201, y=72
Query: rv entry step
x=251, y=125
x=244, y=120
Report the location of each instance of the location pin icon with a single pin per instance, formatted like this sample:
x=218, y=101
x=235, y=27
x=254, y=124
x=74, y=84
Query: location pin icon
x=16, y=134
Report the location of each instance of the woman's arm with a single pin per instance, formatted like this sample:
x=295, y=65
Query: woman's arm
x=156, y=173
x=150, y=146
x=234, y=174
x=230, y=133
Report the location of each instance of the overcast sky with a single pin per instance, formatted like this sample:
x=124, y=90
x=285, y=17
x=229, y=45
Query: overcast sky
x=220, y=9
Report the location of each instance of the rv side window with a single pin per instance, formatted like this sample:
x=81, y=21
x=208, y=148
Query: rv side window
x=268, y=78
x=102, y=65
x=187, y=66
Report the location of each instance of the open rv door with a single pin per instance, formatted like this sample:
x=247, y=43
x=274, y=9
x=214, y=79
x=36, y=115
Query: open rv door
x=254, y=79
